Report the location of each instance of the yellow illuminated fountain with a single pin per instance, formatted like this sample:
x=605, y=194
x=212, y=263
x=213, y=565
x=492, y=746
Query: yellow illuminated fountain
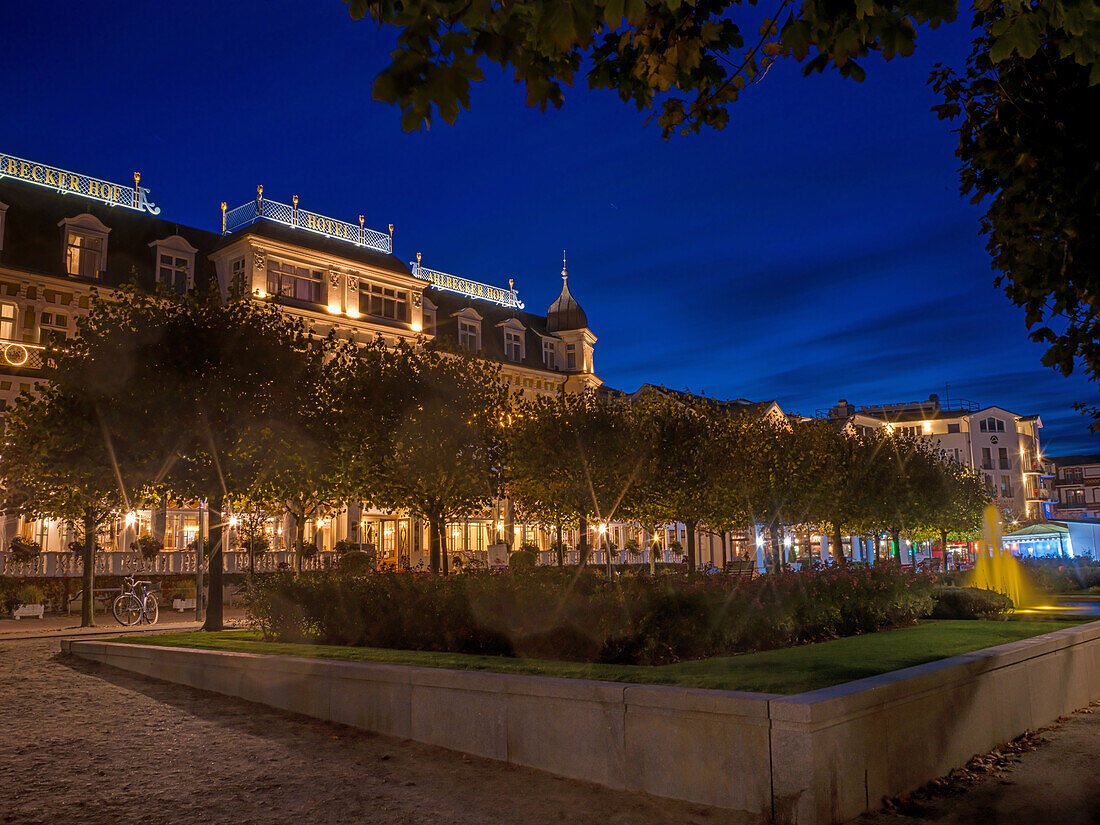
x=997, y=569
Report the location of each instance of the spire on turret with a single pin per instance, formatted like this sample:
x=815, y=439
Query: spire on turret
x=565, y=313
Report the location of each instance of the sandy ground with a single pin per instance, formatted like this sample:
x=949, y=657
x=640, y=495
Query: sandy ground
x=85, y=744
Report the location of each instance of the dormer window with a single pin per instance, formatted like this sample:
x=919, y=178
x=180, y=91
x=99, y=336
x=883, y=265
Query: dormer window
x=175, y=264
x=83, y=255
x=85, y=238
x=173, y=273
x=513, y=345
x=468, y=333
x=549, y=355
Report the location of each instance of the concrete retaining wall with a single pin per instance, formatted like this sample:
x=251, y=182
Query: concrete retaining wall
x=813, y=758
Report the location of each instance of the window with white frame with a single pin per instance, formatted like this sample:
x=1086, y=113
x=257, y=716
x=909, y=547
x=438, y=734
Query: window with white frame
x=7, y=321
x=173, y=272
x=384, y=301
x=54, y=326
x=570, y=356
x=468, y=334
x=991, y=425
x=82, y=254
x=85, y=245
x=513, y=345
x=549, y=355
x=293, y=281
x=238, y=277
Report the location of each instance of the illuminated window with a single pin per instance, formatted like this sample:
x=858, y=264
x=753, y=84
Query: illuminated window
x=549, y=355
x=172, y=273
x=513, y=345
x=384, y=301
x=298, y=282
x=82, y=255
x=85, y=245
x=7, y=321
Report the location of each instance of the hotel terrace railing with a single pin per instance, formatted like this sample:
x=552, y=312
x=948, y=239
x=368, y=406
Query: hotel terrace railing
x=165, y=563
x=291, y=215
x=21, y=356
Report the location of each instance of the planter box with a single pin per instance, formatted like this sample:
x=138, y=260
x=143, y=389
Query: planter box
x=28, y=611
x=181, y=605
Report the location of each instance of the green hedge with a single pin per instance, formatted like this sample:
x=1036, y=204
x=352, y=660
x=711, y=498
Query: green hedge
x=970, y=603
x=582, y=616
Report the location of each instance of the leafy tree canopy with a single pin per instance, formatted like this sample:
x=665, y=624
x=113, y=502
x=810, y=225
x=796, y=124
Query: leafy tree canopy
x=684, y=60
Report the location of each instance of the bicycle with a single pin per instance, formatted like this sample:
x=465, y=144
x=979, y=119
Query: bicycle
x=136, y=604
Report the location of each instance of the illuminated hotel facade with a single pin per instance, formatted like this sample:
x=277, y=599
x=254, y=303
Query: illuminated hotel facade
x=63, y=235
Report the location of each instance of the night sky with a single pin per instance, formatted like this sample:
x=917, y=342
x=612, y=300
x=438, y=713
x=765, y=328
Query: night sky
x=815, y=249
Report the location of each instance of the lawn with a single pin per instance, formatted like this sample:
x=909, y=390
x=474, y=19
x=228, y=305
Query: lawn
x=790, y=670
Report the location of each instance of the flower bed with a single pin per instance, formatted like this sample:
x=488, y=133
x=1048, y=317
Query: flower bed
x=581, y=616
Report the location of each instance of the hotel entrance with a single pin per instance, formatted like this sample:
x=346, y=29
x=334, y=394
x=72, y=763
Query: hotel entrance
x=390, y=539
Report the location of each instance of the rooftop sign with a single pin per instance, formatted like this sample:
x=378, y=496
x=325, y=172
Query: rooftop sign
x=464, y=286
x=290, y=215
x=72, y=183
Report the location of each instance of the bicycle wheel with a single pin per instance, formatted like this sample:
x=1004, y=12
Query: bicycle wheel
x=150, y=612
x=127, y=609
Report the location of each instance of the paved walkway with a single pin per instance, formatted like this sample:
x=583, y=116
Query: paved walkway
x=62, y=625
x=84, y=743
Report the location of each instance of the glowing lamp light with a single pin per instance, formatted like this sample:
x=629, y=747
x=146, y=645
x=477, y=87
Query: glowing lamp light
x=787, y=541
x=417, y=326
x=759, y=541
x=334, y=309
x=259, y=293
x=131, y=519
x=603, y=529
x=927, y=427
x=233, y=521
x=353, y=313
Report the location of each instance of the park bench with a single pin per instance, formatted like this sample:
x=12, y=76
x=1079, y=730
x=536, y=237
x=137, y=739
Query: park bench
x=741, y=569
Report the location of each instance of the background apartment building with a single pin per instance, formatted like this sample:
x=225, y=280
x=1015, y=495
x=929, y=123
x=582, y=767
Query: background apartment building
x=1003, y=446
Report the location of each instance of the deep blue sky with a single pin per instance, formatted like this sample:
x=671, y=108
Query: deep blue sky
x=815, y=249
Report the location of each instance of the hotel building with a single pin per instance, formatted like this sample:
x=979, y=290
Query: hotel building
x=64, y=235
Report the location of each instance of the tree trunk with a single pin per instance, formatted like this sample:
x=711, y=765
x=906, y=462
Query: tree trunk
x=582, y=541
x=653, y=553
x=691, y=525
x=943, y=548
x=725, y=554
x=607, y=549
x=560, y=549
x=838, y=539
x=435, y=542
x=215, y=565
x=299, y=542
x=777, y=553
x=895, y=538
x=87, y=604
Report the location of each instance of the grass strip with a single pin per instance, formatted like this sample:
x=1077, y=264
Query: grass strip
x=785, y=671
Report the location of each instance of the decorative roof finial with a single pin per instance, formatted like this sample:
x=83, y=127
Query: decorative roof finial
x=564, y=271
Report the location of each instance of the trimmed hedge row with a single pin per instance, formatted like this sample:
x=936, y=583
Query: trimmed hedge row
x=580, y=615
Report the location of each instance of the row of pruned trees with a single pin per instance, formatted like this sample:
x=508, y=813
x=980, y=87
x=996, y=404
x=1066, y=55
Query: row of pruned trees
x=660, y=461
x=240, y=405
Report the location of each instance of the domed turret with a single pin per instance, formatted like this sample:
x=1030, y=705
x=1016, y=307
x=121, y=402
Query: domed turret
x=565, y=313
